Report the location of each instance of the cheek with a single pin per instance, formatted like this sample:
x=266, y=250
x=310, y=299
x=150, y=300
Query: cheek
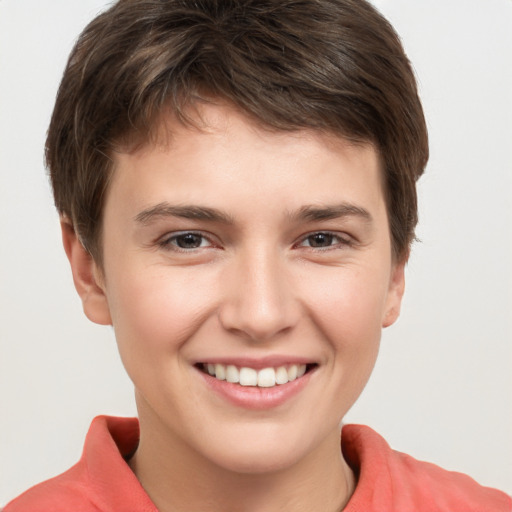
x=348, y=303
x=348, y=309
x=349, y=313
x=155, y=313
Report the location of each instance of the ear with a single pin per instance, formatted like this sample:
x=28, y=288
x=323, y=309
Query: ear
x=86, y=276
x=395, y=293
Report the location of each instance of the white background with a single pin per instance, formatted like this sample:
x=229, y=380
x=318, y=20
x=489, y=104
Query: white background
x=442, y=388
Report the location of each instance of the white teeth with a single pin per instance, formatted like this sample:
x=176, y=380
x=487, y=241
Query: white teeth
x=281, y=375
x=248, y=377
x=292, y=372
x=220, y=372
x=232, y=374
x=264, y=378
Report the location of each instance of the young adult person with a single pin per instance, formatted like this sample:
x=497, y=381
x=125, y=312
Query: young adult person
x=236, y=184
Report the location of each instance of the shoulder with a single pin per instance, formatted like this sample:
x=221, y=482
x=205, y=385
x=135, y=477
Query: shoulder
x=403, y=483
x=100, y=481
x=68, y=491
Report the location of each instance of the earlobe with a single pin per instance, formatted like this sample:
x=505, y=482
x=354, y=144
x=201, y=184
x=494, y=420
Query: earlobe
x=395, y=294
x=86, y=276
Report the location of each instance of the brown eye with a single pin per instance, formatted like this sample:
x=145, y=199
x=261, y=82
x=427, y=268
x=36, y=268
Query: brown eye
x=326, y=240
x=185, y=241
x=188, y=241
x=320, y=240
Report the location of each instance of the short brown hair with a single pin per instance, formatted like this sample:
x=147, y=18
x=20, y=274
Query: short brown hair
x=332, y=65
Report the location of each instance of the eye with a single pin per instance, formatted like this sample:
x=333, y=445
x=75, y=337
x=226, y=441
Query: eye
x=186, y=241
x=323, y=240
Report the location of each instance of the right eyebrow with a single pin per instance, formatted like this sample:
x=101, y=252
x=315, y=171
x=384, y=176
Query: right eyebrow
x=193, y=212
x=314, y=213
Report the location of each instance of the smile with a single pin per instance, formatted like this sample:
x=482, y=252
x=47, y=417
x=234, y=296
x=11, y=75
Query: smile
x=263, y=378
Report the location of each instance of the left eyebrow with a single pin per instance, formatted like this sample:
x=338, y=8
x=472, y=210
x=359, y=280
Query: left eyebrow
x=192, y=212
x=311, y=213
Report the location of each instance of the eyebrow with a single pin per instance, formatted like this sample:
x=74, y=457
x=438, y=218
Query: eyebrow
x=163, y=210
x=313, y=213
x=308, y=213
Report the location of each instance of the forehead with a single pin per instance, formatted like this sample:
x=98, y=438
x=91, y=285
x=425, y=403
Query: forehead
x=220, y=119
x=227, y=152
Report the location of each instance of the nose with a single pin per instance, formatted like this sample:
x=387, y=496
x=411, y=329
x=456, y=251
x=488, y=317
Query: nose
x=259, y=300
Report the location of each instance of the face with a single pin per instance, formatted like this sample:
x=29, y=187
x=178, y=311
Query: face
x=233, y=253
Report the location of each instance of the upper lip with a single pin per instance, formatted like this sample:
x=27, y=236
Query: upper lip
x=258, y=363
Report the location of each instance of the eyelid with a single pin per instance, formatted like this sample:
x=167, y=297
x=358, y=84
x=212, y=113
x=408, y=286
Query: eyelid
x=165, y=241
x=344, y=239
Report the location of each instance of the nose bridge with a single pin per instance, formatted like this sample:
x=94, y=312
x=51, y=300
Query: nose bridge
x=258, y=302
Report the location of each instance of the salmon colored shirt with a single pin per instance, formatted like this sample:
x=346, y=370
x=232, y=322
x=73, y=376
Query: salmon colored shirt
x=388, y=481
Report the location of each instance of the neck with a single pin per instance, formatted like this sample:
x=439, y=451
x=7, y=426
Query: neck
x=178, y=479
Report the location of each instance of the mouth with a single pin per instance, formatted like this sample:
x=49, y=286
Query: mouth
x=246, y=376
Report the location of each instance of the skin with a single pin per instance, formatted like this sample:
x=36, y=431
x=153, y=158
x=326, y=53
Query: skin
x=261, y=283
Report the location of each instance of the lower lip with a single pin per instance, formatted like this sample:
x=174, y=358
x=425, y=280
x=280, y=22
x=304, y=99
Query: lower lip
x=253, y=397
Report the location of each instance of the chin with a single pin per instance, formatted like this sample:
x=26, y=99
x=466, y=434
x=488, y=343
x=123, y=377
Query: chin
x=240, y=460
x=258, y=451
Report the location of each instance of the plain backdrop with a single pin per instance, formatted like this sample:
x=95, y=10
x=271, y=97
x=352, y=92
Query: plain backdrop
x=442, y=388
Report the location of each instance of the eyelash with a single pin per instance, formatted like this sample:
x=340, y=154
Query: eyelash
x=169, y=242
x=342, y=240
